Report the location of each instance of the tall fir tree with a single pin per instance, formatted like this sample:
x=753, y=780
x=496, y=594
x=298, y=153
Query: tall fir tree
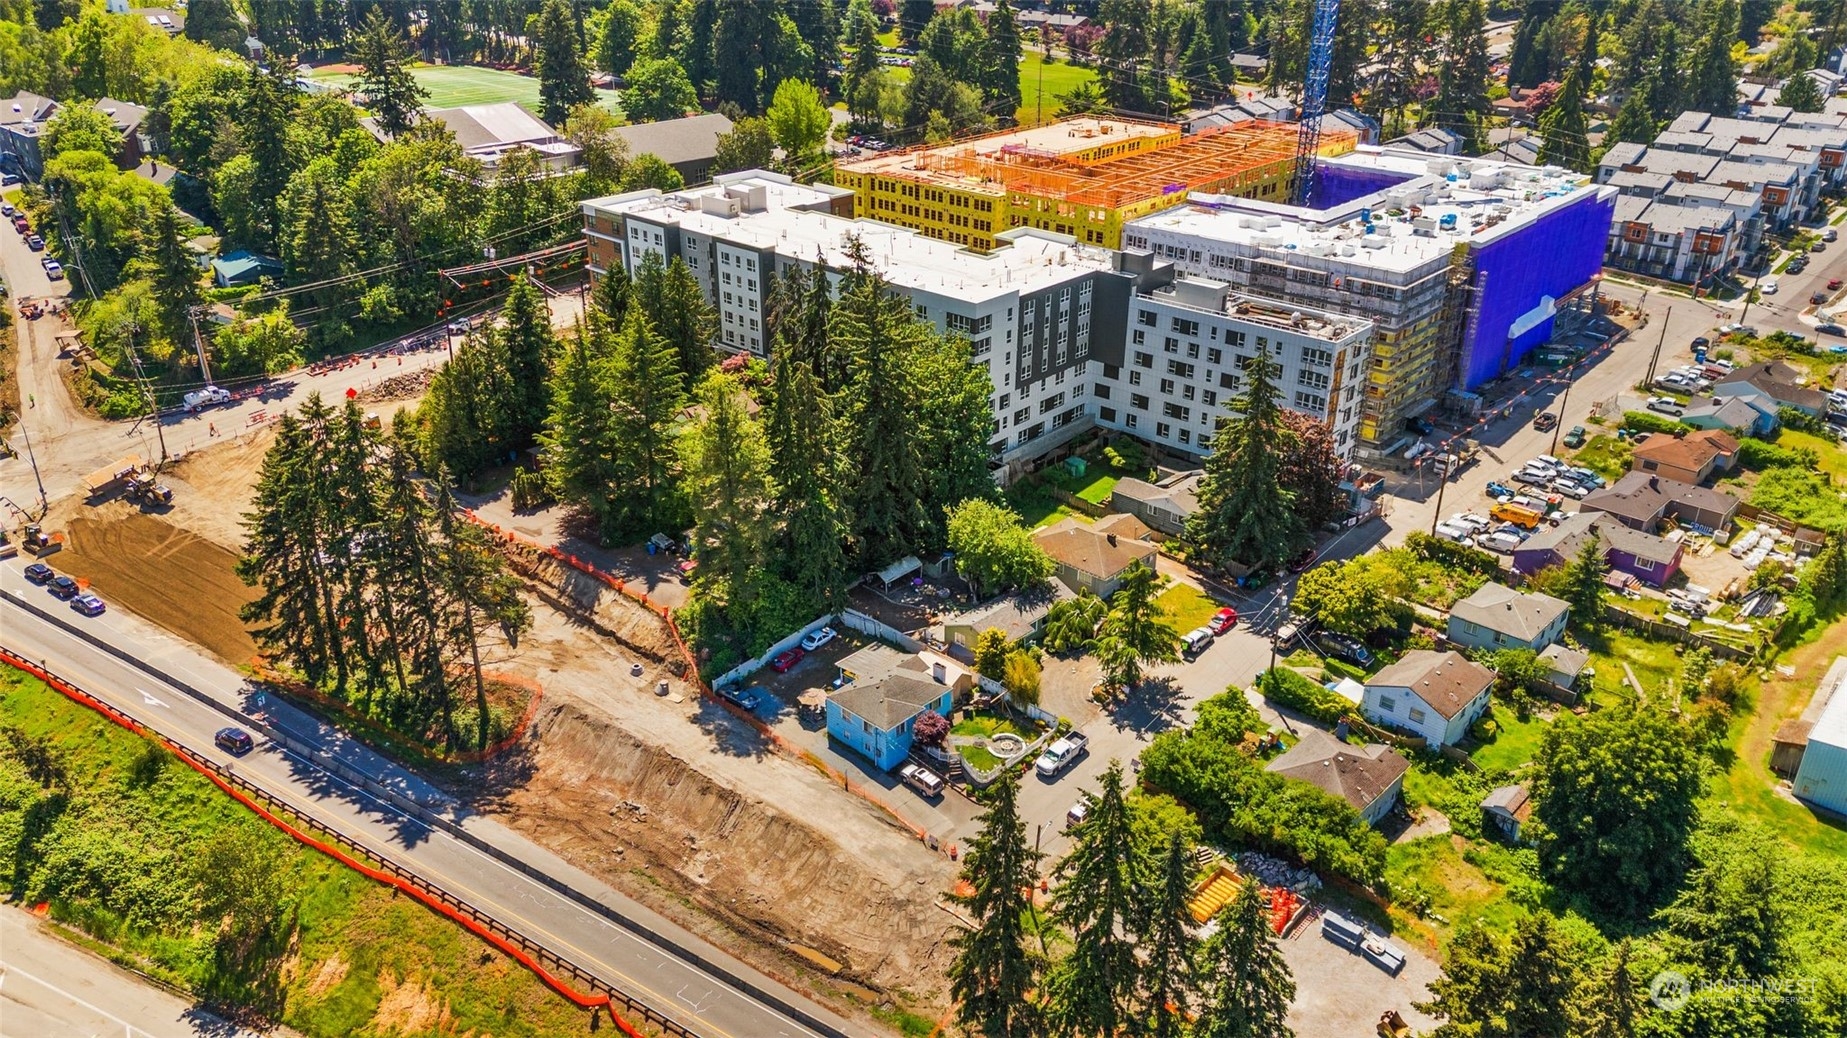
x=810, y=505
x=1248, y=986
x=1245, y=515
x=672, y=298
x=268, y=110
x=527, y=346
x=1801, y=93
x=564, y=81
x=1527, y=61
x=726, y=460
x=1135, y=632
x=1541, y=978
x=1170, y=945
x=1610, y=1005
x=878, y=331
x=1123, y=53
x=913, y=18
x=612, y=293
x=646, y=393
x=1634, y=123
x=383, y=57
x=1092, y=990
x=1462, y=79
x=995, y=973
x=1000, y=63
x=1564, y=134
x=1711, y=74
x=174, y=275
x=580, y=441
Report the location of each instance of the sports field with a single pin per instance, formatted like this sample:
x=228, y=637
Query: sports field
x=452, y=86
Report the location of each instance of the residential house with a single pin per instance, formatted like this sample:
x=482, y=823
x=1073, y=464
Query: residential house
x=1693, y=458
x=1506, y=810
x=886, y=689
x=1782, y=383
x=1433, y=694
x=1434, y=141
x=1644, y=556
x=1498, y=617
x=1020, y=616
x=1565, y=667
x=689, y=145
x=244, y=267
x=1095, y=555
x=1643, y=500
x=1746, y=413
x=1370, y=777
x=22, y=124
x=1163, y=505
x=489, y=133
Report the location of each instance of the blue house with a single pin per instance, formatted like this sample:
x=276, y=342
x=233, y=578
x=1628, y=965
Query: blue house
x=244, y=267
x=885, y=691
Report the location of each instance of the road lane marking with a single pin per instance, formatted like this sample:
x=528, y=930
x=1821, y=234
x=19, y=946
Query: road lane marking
x=150, y=700
x=8, y=969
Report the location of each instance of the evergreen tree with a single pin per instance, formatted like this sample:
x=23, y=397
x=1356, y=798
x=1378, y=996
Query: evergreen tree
x=564, y=82
x=913, y=18
x=1712, y=75
x=264, y=118
x=612, y=293
x=696, y=46
x=671, y=297
x=580, y=440
x=1565, y=136
x=1611, y=1005
x=817, y=24
x=1800, y=93
x=286, y=537
x=392, y=93
x=1247, y=984
x=727, y=465
x=1462, y=78
x=810, y=504
x=745, y=41
x=621, y=39
x=645, y=392
x=1634, y=123
x=479, y=594
x=463, y=422
x=1541, y=979
x=172, y=272
x=1169, y=944
x=953, y=417
x=321, y=244
x=1135, y=631
x=1470, y=996
x=1731, y=911
x=1123, y=52
x=1527, y=62
x=1206, y=61
x=1582, y=588
x=1000, y=63
x=1092, y=991
x=878, y=331
x=862, y=35
x=1245, y=515
x=994, y=974
x=215, y=23
x=526, y=347
x=1668, y=99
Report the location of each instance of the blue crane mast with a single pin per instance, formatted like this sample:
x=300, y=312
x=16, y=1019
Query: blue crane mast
x=1314, y=96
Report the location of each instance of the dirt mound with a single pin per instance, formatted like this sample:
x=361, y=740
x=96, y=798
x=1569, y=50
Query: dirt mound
x=213, y=487
x=609, y=611
x=171, y=576
x=640, y=817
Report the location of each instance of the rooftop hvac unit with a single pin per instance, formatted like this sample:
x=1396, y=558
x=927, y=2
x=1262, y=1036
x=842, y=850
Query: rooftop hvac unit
x=1373, y=242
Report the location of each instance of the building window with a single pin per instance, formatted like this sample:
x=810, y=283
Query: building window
x=1107, y=414
x=1209, y=397
x=1179, y=369
x=1146, y=318
x=1214, y=355
x=1138, y=401
x=1388, y=704
x=1417, y=716
x=1185, y=327
x=1176, y=411
x=1135, y=378
x=1144, y=360
x=1161, y=430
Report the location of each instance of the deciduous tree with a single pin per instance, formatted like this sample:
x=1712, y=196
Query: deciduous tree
x=993, y=549
x=1072, y=624
x=616, y=48
x=658, y=89
x=748, y=146
x=798, y=122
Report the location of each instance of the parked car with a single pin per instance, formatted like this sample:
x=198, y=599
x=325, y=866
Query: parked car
x=54, y=270
x=88, y=604
x=1475, y=522
x=1830, y=235
x=1767, y=288
x=39, y=573
x=35, y=243
x=1501, y=541
x=1820, y=246
x=816, y=639
x=743, y=698
x=1797, y=266
x=786, y=660
x=1831, y=329
x=1700, y=342
x=926, y=782
x=1666, y=405
x=1455, y=532
x=234, y=740
x=1500, y=490
x=1586, y=476
x=1575, y=438
x=1195, y=641
x=1544, y=421
x=1223, y=620
x=1062, y=754
x=1343, y=648
x=1570, y=488
x=62, y=586
x=1532, y=477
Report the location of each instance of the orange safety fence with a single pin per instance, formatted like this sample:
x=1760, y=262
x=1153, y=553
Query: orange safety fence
x=506, y=947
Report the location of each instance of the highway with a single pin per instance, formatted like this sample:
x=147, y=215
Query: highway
x=673, y=972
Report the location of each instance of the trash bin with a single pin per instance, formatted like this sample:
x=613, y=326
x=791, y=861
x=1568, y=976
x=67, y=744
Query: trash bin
x=653, y=549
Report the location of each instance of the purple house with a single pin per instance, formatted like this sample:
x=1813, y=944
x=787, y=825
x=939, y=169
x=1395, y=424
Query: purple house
x=1653, y=560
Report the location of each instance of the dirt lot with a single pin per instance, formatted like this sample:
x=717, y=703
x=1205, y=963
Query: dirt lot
x=171, y=576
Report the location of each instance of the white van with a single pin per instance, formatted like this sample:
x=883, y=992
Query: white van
x=1195, y=641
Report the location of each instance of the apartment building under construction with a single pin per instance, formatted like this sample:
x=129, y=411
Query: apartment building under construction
x=1083, y=177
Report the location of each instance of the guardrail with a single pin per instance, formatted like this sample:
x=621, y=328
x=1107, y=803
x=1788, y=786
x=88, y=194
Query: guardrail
x=431, y=819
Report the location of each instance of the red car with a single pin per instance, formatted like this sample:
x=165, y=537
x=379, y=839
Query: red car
x=1223, y=620
x=786, y=661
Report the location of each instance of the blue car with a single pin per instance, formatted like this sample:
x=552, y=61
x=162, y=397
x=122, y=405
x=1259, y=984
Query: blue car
x=1500, y=490
x=88, y=605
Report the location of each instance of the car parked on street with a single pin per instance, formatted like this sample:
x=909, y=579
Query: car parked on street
x=1666, y=405
x=1455, y=532
x=816, y=639
x=54, y=270
x=786, y=660
x=1767, y=288
x=1223, y=620
x=88, y=604
x=1345, y=649
x=1831, y=329
x=926, y=782
x=35, y=243
x=210, y=396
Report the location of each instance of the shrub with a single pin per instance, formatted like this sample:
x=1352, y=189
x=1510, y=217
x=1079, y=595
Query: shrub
x=1649, y=422
x=1758, y=454
x=1452, y=555
x=529, y=490
x=1288, y=688
x=930, y=728
x=1126, y=454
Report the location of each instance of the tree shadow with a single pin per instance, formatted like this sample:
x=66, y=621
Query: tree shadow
x=730, y=734
x=1151, y=707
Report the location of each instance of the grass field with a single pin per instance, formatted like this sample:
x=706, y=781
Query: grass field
x=1514, y=743
x=115, y=834
x=1041, y=82
x=452, y=86
x=1186, y=607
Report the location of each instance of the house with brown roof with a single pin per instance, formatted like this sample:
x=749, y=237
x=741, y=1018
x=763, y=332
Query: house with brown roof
x=1369, y=777
x=1433, y=694
x=1693, y=458
x=1095, y=555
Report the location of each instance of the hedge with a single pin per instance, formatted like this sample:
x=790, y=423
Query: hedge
x=1451, y=554
x=1650, y=422
x=1288, y=688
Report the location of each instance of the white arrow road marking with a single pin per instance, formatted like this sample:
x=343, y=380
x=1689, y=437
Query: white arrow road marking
x=149, y=700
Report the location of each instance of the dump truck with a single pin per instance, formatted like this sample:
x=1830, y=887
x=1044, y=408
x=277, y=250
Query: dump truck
x=111, y=476
x=1063, y=753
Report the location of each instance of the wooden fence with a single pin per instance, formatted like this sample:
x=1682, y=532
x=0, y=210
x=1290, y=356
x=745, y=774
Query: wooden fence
x=1657, y=629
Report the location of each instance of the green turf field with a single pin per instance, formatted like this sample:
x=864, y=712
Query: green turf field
x=452, y=86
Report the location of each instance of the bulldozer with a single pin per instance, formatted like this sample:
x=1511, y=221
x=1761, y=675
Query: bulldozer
x=1392, y=1025
x=145, y=490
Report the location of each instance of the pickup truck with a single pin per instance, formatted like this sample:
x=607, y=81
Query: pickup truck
x=1062, y=754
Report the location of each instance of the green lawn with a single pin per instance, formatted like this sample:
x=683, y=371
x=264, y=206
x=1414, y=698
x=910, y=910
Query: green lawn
x=1041, y=82
x=1186, y=607
x=1037, y=507
x=979, y=758
x=452, y=86
x=1433, y=870
x=1513, y=744
x=1605, y=455
x=987, y=724
x=119, y=836
x=1833, y=460
x=1653, y=662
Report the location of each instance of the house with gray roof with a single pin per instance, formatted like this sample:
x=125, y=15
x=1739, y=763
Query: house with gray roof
x=1643, y=501
x=1436, y=695
x=689, y=145
x=1782, y=383
x=1498, y=617
x=884, y=690
x=1369, y=777
x=1645, y=556
x=1752, y=413
x=488, y=133
x=1019, y=615
x=1164, y=506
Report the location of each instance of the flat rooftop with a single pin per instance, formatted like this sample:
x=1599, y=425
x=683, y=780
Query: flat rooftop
x=1217, y=297
x=1064, y=140
x=1027, y=261
x=1435, y=203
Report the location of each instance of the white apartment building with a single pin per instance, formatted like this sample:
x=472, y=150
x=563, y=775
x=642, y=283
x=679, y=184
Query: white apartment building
x=1189, y=345
x=1036, y=312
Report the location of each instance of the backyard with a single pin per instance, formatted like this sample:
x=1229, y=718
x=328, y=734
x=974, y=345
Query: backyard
x=1605, y=455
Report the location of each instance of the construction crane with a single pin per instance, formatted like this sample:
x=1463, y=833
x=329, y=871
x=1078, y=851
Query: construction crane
x=1314, y=96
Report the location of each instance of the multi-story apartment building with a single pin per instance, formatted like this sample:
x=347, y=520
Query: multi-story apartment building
x=1459, y=264
x=1081, y=177
x=1036, y=310
x=1190, y=344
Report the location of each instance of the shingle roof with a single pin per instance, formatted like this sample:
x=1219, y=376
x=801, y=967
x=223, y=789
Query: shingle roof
x=1692, y=451
x=1088, y=550
x=890, y=701
x=1778, y=381
x=1524, y=615
x=1567, y=661
x=1448, y=681
x=1013, y=615
x=1179, y=496
x=1733, y=412
x=674, y=141
x=1360, y=775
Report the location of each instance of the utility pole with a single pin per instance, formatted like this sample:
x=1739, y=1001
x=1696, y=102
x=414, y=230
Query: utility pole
x=1655, y=360
x=44, y=502
x=198, y=343
x=1442, y=485
x=1560, y=424
x=147, y=392
x=1742, y=314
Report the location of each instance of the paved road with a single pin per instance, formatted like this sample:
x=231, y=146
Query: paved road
x=53, y=989
x=670, y=983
